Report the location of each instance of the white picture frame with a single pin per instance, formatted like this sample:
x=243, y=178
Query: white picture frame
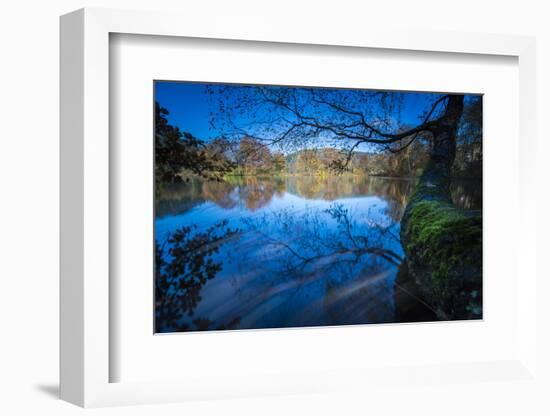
x=85, y=211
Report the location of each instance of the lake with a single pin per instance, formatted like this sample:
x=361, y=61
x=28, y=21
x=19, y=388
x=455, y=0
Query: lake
x=290, y=251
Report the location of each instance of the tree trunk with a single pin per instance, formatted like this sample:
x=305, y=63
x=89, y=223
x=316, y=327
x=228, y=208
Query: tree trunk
x=442, y=244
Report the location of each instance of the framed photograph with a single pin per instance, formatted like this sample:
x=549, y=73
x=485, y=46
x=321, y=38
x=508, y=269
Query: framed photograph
x=279, y=212
x=306, y=206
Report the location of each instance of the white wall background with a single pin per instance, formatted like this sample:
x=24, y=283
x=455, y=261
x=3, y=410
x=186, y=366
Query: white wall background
x=29, y=206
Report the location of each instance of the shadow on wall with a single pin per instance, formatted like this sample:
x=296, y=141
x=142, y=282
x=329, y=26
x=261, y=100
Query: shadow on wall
x=51, y=390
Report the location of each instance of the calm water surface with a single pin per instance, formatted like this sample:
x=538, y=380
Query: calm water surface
x=309, y=251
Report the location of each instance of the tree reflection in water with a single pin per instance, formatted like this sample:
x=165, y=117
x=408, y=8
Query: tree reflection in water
x=183, y=265
x=353, y=260
x=317, y=245
x=257, y=192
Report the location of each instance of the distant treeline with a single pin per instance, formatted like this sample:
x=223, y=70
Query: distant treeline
x=249, y=157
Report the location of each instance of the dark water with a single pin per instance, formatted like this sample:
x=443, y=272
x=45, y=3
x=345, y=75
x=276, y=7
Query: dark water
x=305, y=251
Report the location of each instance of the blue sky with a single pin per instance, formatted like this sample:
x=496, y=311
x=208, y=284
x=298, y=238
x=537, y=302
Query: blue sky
x=189, y=107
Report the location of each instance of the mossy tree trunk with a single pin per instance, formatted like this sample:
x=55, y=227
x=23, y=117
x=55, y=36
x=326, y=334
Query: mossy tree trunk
x=443, y=243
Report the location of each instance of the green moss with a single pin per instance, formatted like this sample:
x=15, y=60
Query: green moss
x=443, y=248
